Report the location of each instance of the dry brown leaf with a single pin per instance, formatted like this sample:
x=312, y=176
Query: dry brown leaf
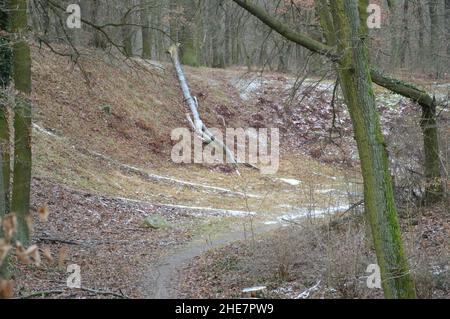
x=29, y=220
x=29, y=255
x=21, y=255
x=19, y=247
x=6, y=289
x=4, y=249
x=9, y=224
x=62, y=256
x=43, y=213
x=47, y=254
x=34, y=254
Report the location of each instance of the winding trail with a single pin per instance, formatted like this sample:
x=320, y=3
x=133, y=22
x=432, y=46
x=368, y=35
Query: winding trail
x=162, y=281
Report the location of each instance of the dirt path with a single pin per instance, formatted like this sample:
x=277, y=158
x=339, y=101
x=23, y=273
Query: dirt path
x=162, y=281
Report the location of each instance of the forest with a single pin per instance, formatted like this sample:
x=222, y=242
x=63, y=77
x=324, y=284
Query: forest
x=224, y=149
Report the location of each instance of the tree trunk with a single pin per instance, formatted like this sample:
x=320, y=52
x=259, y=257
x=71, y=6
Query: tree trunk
x=404, y=46
x=5, y=154
x=5, y=78
x=21, y=63
x=196, y=122
x=235, y=42
x=447, y=23
x=127, y=30
x=356, y=83
x=146, y=31
x=434, y=37
x=217, y=60
x=227, y=55
x=200, y=24
x=188, y=50
x=3, y=199
x=421, y=33
x=159, y=38
x=98, y=39
x=173, y=21
x=434, y=189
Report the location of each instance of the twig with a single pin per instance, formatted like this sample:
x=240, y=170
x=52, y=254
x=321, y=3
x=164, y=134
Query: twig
x=57, y=240
x=41, y=293
x=352, y=207
x=291, y=221
x=334, y=221
x=100, y=292
x=333, y=100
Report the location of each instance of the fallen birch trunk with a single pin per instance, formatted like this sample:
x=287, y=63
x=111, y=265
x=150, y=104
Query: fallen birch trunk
x=196, y=123
x=305, y=294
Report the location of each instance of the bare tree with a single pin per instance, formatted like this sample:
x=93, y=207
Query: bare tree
x=21, y=66
x=146, y=32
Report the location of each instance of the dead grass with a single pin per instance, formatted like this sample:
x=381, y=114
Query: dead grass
x=297, y=257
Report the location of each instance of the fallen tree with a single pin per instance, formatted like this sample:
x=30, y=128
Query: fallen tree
x=195, y=121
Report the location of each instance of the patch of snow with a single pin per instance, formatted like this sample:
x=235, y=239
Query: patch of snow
x=290, y=181
x=316, y=213
x=286, y=206
x=270, y=222
x=247, y=87
x=177, y=181
x=226, y=212
x=44, y=131
x=389, y=100
x=283, y=290
x=220, y=189
x=254, y=289
x=318, y=85
x=326, y=176
x=330, y=191
x=438, y=270
x=137, y=201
